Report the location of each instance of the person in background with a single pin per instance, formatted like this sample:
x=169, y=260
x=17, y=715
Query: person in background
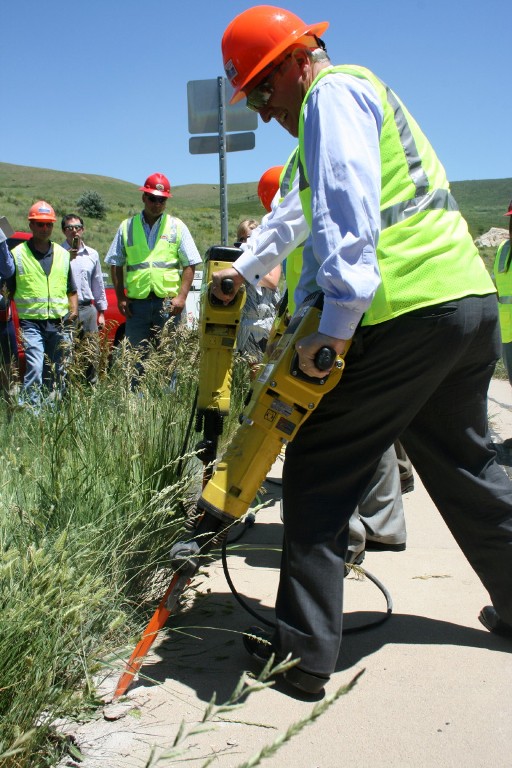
x=259, y=310
x=403, y=281
x=160, y=257
x=8, y=342
x=503, y=278
x=92, y=299
x=39, y=278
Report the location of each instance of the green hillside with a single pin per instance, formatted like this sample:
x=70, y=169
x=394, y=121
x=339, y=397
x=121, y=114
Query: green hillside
x=482, y=202
x=196, y=204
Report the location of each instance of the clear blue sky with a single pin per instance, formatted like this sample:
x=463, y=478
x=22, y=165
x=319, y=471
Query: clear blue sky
x=101, y=86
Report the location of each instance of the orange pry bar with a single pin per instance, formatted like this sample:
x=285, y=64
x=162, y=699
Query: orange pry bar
x=156, y=623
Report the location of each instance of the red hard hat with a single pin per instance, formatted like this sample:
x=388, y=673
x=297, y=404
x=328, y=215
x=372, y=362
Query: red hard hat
x=254, y=40
x=157, y=184
x=268, y=185
x=509, y=212
x=41, y=211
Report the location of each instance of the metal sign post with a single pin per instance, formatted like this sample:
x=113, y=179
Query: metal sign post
x=222, y=164
x=208, y=113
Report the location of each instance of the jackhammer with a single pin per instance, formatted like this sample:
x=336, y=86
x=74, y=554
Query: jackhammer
x=281, y=400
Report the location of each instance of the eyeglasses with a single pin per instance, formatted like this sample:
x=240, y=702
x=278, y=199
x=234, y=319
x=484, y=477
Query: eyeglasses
x=260, y=96
x=73, y=227
x=42, y=224
x=155, y=198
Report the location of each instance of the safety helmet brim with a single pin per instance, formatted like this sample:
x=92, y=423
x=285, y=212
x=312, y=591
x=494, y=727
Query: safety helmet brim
x=155, y=192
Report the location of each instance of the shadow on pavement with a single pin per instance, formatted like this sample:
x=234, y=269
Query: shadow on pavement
x=203, y=646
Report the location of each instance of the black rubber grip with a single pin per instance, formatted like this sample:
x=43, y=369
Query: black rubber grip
x=324, y=358
x=227, y=285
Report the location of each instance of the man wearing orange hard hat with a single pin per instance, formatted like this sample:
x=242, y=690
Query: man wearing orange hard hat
x=39, y=278
x=268, y=185
x=403, y=280
x=262, y=300
x=159, y=256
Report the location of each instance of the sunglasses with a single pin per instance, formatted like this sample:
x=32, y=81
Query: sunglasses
x=73, y=227
x=155, y=198
x=43, y=224
x=259, y=97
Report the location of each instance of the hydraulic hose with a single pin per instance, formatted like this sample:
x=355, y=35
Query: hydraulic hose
x=240, y=600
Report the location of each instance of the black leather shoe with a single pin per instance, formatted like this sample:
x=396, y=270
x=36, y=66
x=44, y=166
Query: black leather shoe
x=491, y=621
x=372, y=545
x=258, y=644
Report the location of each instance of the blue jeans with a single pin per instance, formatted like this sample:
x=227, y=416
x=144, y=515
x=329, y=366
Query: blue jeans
x=145, y=326
x=47, y=346
x=146, y=321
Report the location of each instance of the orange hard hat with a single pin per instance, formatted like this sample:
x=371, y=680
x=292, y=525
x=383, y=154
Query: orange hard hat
x=41, y=211
x=255, y=38
x=509, y=212
x=157, y=184
x=268, y=185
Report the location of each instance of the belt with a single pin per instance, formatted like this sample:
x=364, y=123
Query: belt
x=151, y=296
x=85, y=303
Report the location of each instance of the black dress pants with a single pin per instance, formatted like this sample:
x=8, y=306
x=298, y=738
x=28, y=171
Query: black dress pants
x=424, y=377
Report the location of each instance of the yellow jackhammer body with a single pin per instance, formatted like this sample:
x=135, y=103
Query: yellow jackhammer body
x=218, y=327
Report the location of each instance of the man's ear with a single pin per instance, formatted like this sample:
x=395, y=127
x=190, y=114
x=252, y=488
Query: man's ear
x=302, y=60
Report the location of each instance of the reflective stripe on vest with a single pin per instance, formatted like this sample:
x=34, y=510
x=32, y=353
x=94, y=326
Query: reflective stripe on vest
x=503, y=256
x=503, y=278
x=155, y=270
x=293, y=263
x=425, y=252
x=288, y=173
x=39, y=296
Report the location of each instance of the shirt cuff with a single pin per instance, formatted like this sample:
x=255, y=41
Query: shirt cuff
x=338, y=320
x=115, y=261
x=250, y=267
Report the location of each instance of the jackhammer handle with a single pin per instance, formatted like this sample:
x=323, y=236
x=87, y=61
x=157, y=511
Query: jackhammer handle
x=228, y=285
x=324, y=358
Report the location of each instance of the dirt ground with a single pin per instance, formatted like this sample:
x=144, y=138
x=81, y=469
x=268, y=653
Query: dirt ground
x=435, y=688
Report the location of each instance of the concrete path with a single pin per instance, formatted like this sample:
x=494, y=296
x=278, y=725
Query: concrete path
x=435, y=689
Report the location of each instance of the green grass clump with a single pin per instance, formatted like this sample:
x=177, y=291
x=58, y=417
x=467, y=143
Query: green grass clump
x=94, y=492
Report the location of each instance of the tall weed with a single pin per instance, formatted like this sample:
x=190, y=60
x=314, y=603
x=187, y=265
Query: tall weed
x=94, y=490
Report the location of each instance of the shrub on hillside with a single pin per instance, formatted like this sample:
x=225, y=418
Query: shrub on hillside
x=91, y=204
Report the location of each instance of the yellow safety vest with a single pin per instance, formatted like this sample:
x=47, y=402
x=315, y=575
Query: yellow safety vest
x=155, y=270
x=425, y=253
x=503, y=278
x=39, y=296
x=293, y=262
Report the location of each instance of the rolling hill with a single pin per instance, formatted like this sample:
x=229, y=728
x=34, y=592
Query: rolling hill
x=482, y=202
